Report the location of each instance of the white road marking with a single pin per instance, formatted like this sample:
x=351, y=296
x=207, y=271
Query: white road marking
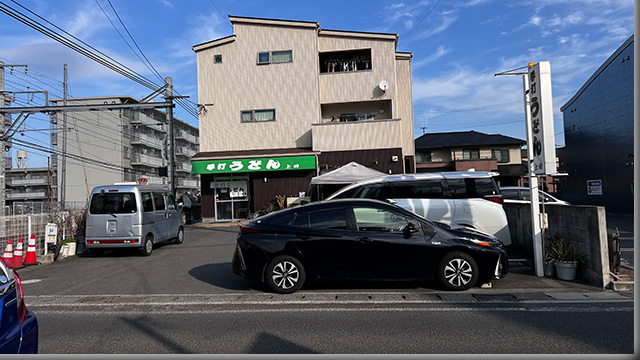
x=32, y=281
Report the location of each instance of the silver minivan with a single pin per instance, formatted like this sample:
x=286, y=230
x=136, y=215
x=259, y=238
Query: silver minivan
x=132, y=216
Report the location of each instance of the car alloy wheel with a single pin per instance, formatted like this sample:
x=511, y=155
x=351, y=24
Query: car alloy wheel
x=457, y=271
x=285, y=274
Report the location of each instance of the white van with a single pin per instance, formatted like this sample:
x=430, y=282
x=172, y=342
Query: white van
x=462, y=198
x=132, y=216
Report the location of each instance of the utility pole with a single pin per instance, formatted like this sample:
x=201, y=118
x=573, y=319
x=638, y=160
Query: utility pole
x=172, y=165
x=2, y=161
x=63, y=167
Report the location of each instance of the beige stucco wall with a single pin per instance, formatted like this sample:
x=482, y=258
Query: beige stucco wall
x=238, y=83
x=360, y=135
x=404, y=104
x=358, y=85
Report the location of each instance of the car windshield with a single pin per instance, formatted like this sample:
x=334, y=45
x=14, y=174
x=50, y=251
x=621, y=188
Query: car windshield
x=113, y=203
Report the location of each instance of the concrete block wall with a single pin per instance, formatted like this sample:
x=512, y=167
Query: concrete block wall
x=583, y=225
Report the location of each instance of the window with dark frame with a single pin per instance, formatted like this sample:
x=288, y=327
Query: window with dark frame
x=501, y=155
x=258, y=115
x=217, y=59
x=275, y=57
x=471, y=154
x=423, y=156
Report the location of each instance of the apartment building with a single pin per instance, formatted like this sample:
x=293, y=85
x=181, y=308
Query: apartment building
x=106, y=147
x=287, y=100
x=27, y=190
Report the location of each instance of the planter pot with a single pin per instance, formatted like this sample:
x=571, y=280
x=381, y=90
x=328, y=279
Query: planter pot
x=549, y=269
x=72, y=249
x=566, y=270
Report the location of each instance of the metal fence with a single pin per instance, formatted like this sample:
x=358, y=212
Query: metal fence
x=15, y=227
x=70, y=224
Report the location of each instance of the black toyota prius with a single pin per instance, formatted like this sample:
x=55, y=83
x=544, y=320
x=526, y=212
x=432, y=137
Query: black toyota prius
x=362, y=239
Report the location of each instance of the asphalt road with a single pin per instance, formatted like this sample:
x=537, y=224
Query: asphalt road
x=184, y=299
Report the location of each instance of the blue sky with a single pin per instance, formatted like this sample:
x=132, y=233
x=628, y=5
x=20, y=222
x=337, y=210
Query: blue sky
x=458, y=46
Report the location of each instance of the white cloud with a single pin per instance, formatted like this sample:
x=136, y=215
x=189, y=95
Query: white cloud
x=167, y=3
x=444, y=23
x=440, y=52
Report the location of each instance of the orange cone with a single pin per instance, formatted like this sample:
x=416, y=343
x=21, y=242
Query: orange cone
x=30, y=258
x=17, y=255
x=8, y=253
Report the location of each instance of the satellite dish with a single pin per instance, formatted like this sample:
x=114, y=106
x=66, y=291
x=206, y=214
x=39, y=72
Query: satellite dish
x=384, y=85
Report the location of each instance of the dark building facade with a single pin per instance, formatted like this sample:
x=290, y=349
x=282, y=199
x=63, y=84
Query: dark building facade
x=598, y=130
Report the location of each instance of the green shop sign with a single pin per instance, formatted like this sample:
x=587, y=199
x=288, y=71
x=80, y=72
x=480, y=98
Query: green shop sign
x=253, y=165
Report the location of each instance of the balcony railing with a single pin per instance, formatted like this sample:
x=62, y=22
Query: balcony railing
x=146, y=160
x=141, y=138
x=357, y=135
x=27, y=195
x=181, y=134
x=188, y=183
x=27, y=182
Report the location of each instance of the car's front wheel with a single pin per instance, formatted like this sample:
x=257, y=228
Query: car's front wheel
x=457, y=271
x=285, y=274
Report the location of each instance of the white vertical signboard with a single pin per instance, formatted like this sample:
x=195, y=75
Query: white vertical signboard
x=542, y=132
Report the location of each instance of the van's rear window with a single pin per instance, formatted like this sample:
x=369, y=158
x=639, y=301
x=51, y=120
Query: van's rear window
x=113, y=203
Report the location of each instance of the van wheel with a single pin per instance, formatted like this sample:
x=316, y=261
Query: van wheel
x=148, y=246
x=180, y=238
x=457, y=271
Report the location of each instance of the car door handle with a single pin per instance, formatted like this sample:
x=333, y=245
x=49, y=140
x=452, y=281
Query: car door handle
x=364, y=239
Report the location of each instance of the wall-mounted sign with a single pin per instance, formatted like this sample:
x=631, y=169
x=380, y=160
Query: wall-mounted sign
x=594, y=187
x=541, y=115
x=253, y=165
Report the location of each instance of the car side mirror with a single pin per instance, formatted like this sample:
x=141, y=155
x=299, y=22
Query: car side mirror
x=409, y=230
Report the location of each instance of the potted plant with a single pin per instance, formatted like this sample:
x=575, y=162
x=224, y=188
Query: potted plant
x=552, y=248
x=566, y=258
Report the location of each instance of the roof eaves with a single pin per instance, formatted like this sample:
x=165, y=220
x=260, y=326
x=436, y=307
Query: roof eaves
x=214, y=43
x=272, y=22
x=593, y=77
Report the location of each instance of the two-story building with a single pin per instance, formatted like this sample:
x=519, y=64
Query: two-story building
x=286, y=100
x=464, y=150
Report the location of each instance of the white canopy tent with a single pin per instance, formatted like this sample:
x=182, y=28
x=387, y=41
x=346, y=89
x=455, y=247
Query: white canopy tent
x=347, y=174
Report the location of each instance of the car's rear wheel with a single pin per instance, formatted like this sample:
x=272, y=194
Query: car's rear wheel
x=285, y=274
x=148, y=246
x=457, y=271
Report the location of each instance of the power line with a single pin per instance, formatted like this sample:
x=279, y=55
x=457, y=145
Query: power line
x=220, y=12
x=421, y=20
x=88, y=51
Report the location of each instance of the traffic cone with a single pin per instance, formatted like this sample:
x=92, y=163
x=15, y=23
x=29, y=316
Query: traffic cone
x=8, y=253
x=17, y=255
x=30, y=258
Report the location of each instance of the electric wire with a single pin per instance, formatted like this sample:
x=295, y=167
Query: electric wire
x=102, y=58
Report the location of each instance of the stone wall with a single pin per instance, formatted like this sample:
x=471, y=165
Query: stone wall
x=585, y=226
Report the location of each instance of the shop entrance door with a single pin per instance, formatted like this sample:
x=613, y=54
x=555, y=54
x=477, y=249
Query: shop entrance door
x=231, y=196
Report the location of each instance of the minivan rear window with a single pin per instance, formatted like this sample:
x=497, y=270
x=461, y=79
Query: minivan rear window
x=472, y=188
x=424, y=189
x=113, y=203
